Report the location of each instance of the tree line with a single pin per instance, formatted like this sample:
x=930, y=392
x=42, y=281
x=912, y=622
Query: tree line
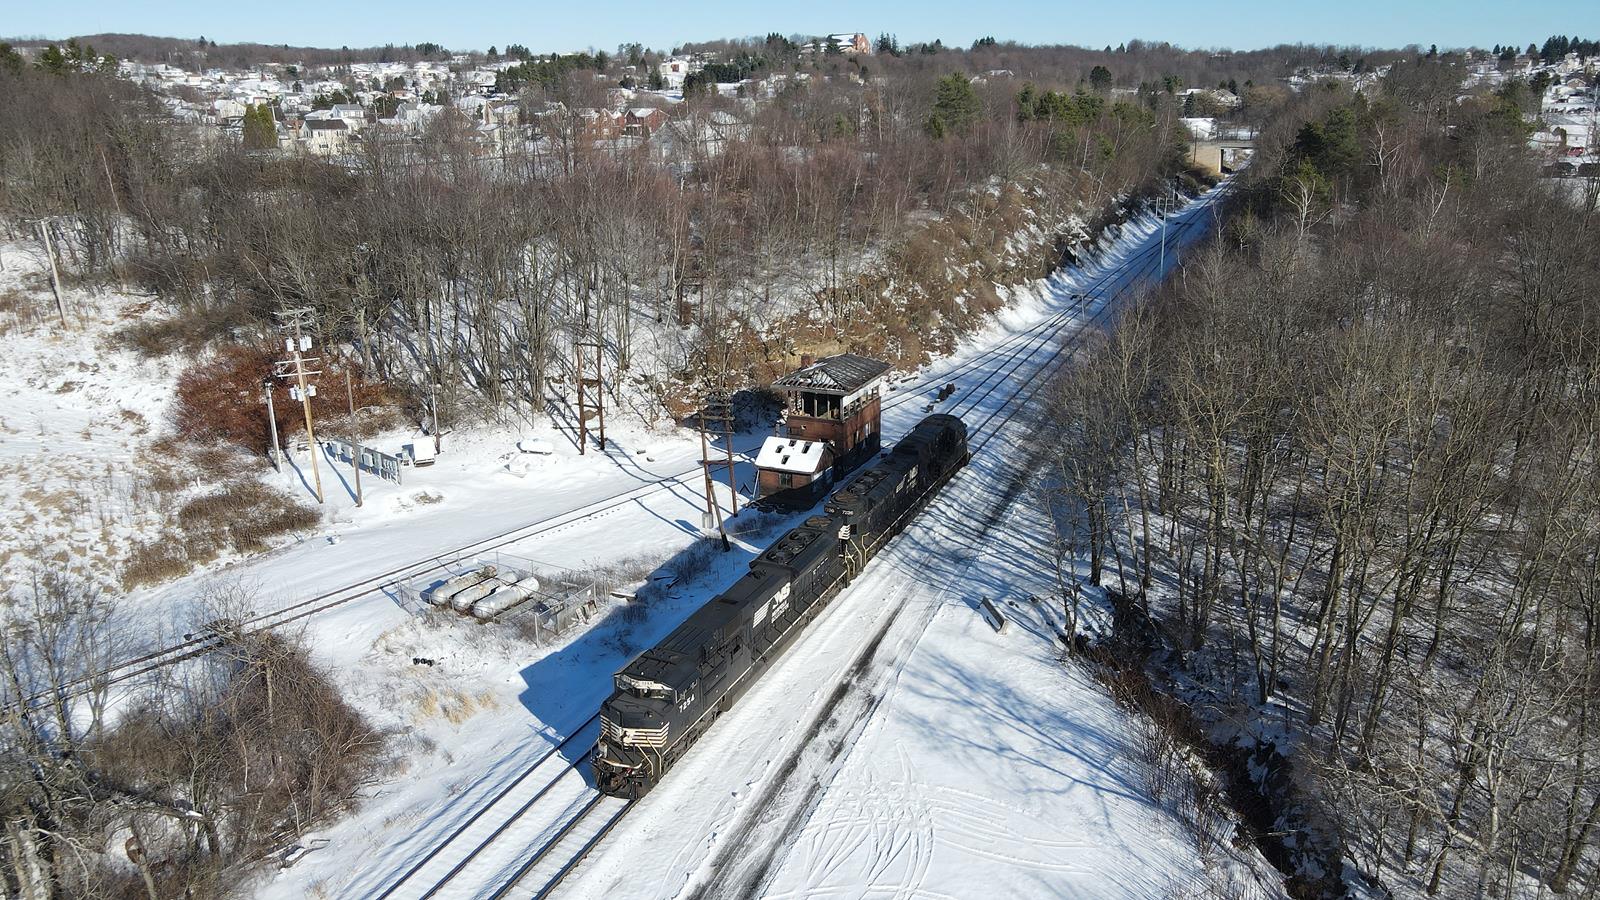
x=1346, y=461
x=433, y=264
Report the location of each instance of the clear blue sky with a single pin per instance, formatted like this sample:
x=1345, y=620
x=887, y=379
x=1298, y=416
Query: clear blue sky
x=603, y=24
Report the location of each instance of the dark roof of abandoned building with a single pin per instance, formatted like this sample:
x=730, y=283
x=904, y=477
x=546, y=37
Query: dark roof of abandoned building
x=835, y=374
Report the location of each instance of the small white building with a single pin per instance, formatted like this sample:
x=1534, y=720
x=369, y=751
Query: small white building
x=674, y=70
x=353, y=115
x=325, y=137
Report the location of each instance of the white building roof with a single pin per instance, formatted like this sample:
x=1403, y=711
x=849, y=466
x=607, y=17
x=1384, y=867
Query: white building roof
x=784, y=454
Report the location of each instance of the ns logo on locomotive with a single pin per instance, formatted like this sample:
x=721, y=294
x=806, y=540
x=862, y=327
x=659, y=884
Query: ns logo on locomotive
x=671, y=693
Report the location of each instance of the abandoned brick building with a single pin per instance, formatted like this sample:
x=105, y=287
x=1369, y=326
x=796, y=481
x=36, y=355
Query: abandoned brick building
x=831, y=426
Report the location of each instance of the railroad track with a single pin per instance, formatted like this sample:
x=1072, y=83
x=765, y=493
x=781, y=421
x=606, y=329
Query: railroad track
x=204, y=639
x=741, y=878
x=582, y=828
x=567, y=849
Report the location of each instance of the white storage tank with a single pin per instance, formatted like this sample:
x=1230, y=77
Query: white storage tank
x=440, y=594
x=462, y=600
x=505, y=597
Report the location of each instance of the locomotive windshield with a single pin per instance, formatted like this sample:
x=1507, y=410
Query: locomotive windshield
x=639, y=687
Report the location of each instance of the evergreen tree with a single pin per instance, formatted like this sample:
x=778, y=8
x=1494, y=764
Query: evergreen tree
x=1026, y=101
x=1100, y=78
x=1330, y=145
x=260, y=129
x=955, y=103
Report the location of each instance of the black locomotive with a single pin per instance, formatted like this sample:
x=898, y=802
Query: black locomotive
x=668, y=696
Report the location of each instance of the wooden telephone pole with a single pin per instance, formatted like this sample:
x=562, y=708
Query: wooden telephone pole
x=272, y=425
x=591, y=391
x=297, y=342
x=713, y=508
x=55, y=276
x=716, y=419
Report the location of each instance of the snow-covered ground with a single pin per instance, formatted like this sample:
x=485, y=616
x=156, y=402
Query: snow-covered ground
x=473, y=724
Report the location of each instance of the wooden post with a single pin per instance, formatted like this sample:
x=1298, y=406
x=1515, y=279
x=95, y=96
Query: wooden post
x=305, y=405
x=599, y=395
x=713, y=508
x=585, y=405
x=55, y=277
x=583, y=409
x=356, y=446
x=117, y=205
x=719, y=407
x=272, y=428
x=433, y=403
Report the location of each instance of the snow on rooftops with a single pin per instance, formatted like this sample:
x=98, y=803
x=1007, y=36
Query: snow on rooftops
x=842, y=374
x=786, y=454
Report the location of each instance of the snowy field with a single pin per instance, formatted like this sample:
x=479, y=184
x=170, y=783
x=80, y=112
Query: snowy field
x=77, y=411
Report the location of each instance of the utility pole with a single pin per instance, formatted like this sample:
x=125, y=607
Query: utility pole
x=717, y=417
x=272, y=425
x=591, y=404
x=297, y=343
x=355, y=449
x=713, y=509
x=350, y=401
x=433, y=406
x=1162, y=270
x=116, y=204
x=55, y=277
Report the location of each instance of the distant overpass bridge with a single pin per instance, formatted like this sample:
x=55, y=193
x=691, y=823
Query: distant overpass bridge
x=1222, y=154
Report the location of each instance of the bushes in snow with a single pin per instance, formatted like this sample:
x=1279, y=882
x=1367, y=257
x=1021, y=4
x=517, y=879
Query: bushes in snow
x=221, y=399
x=197, y=778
